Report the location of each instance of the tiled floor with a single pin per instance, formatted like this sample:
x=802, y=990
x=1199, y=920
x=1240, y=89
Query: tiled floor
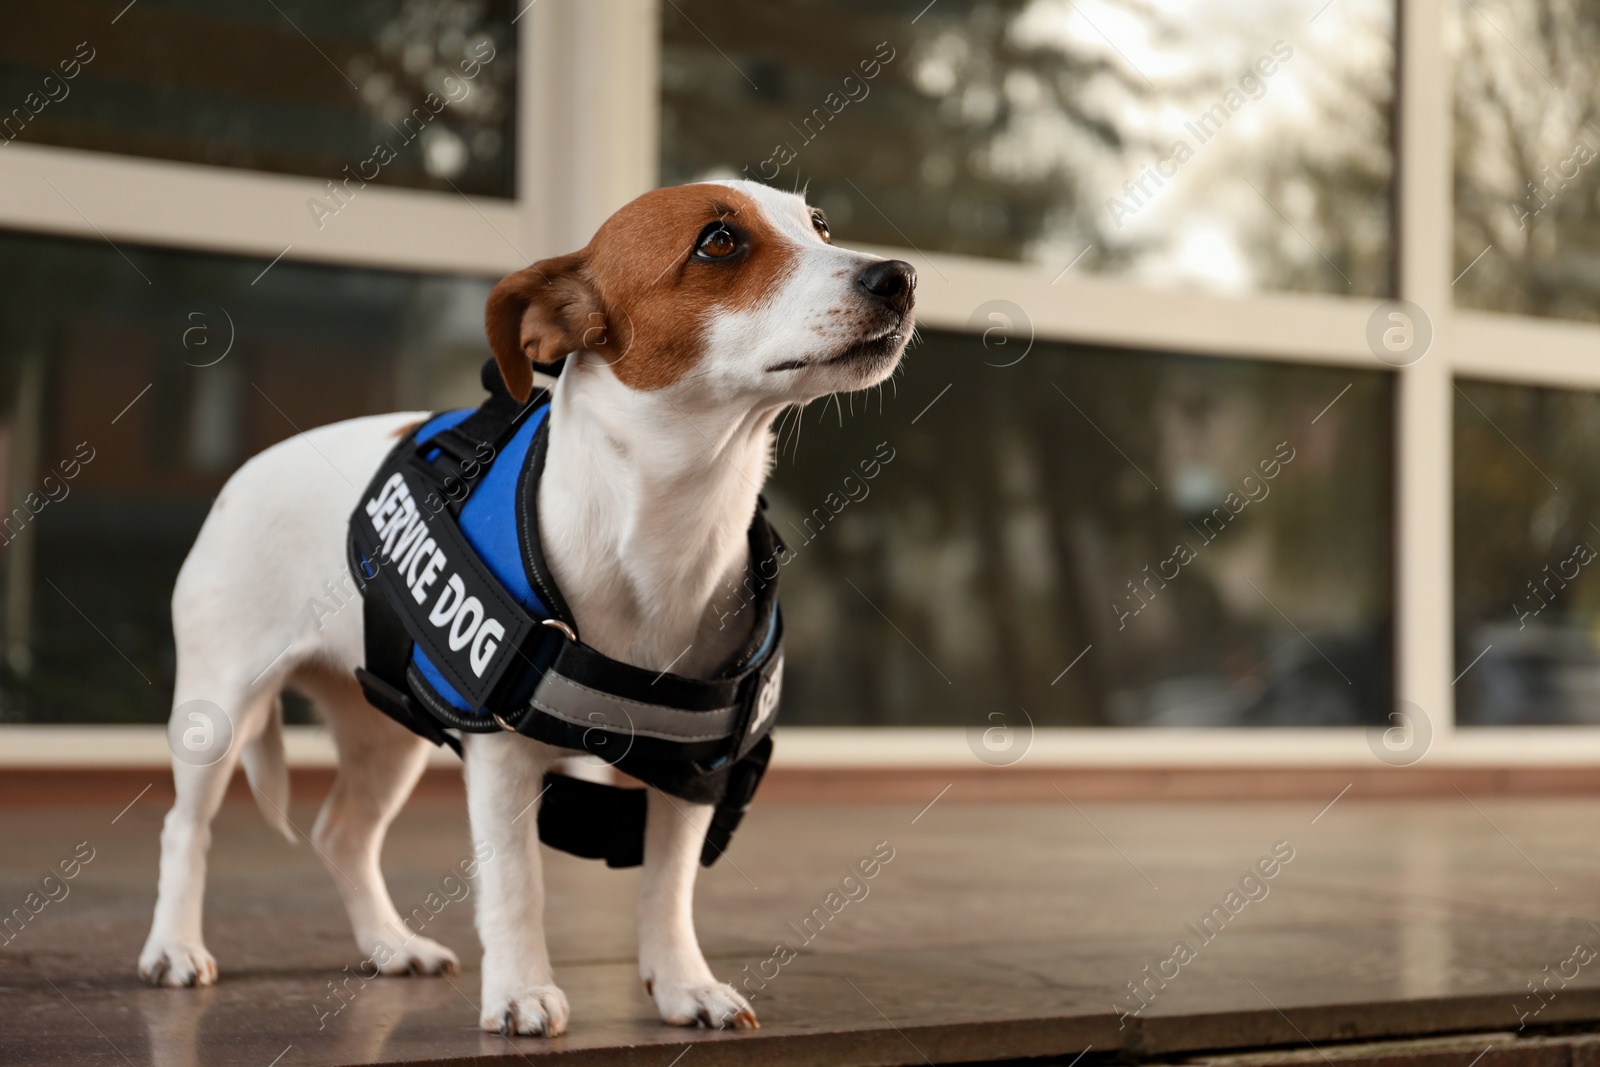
x=996, y=931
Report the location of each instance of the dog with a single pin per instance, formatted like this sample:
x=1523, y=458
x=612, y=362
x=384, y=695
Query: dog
x=695, y=315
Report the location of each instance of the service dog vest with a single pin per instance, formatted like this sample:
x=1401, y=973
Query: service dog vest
x=467, y=632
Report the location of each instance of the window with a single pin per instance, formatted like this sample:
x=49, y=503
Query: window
x=1233, y=146
x=1098, y=537
x=134, y=387
x=1197, y=311
x=1527, y=599
x=415, y=94
x=1527, y=197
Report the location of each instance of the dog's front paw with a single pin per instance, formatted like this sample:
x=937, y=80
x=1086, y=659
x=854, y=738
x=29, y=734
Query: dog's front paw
x=537, y=1011
x=419, y=955
x=177, y=965
x=715, y=1005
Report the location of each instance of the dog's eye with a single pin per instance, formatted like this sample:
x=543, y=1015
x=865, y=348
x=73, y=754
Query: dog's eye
x=819, y=222
x=716, y=242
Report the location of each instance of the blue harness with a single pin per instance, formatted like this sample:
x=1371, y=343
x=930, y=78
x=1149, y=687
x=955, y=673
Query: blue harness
x=466, y=631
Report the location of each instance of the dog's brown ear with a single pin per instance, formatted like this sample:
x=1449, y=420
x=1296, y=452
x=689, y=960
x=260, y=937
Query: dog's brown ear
x=540, y=314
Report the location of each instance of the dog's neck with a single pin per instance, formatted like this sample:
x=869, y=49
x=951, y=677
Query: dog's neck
x=644, y=508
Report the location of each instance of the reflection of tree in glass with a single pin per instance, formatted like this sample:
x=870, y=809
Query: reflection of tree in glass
x=294, y=86
x=1526, y=145
x=1006, y=528
x=1333, y=179
x=1004, y=128
x=431, y=47
x=973, y=134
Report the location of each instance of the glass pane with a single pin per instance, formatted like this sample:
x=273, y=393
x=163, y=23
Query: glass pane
x=129, y=391
x=415, y=94
x=1098, y=537
x=1237, y=147
x=1527, y=195
x=1527, y=600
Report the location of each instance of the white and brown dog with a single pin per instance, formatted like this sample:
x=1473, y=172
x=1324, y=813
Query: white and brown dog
x=694, y=316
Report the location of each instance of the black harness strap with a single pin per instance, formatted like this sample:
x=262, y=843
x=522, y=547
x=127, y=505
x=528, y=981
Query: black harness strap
x=388, y=655
x=471, y=445
x=582, y=817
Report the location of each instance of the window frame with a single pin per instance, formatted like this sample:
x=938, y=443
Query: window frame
x=588, y=141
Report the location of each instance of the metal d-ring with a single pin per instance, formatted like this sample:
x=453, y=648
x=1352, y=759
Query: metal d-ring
x=498, y=721
x=557, y=624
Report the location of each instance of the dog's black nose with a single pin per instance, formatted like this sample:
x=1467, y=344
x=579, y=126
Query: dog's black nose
x=891, y=281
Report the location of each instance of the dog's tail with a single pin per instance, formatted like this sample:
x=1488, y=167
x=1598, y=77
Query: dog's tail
x=268, y=772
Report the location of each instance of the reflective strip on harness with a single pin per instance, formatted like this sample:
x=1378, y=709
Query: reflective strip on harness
x=579, y=705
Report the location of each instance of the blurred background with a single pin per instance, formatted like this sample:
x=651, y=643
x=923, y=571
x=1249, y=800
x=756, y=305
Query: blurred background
x=1146, y=465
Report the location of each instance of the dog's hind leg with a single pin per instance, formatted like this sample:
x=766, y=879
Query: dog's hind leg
x=674, y=970
x=379, y=764
x=205, y=752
